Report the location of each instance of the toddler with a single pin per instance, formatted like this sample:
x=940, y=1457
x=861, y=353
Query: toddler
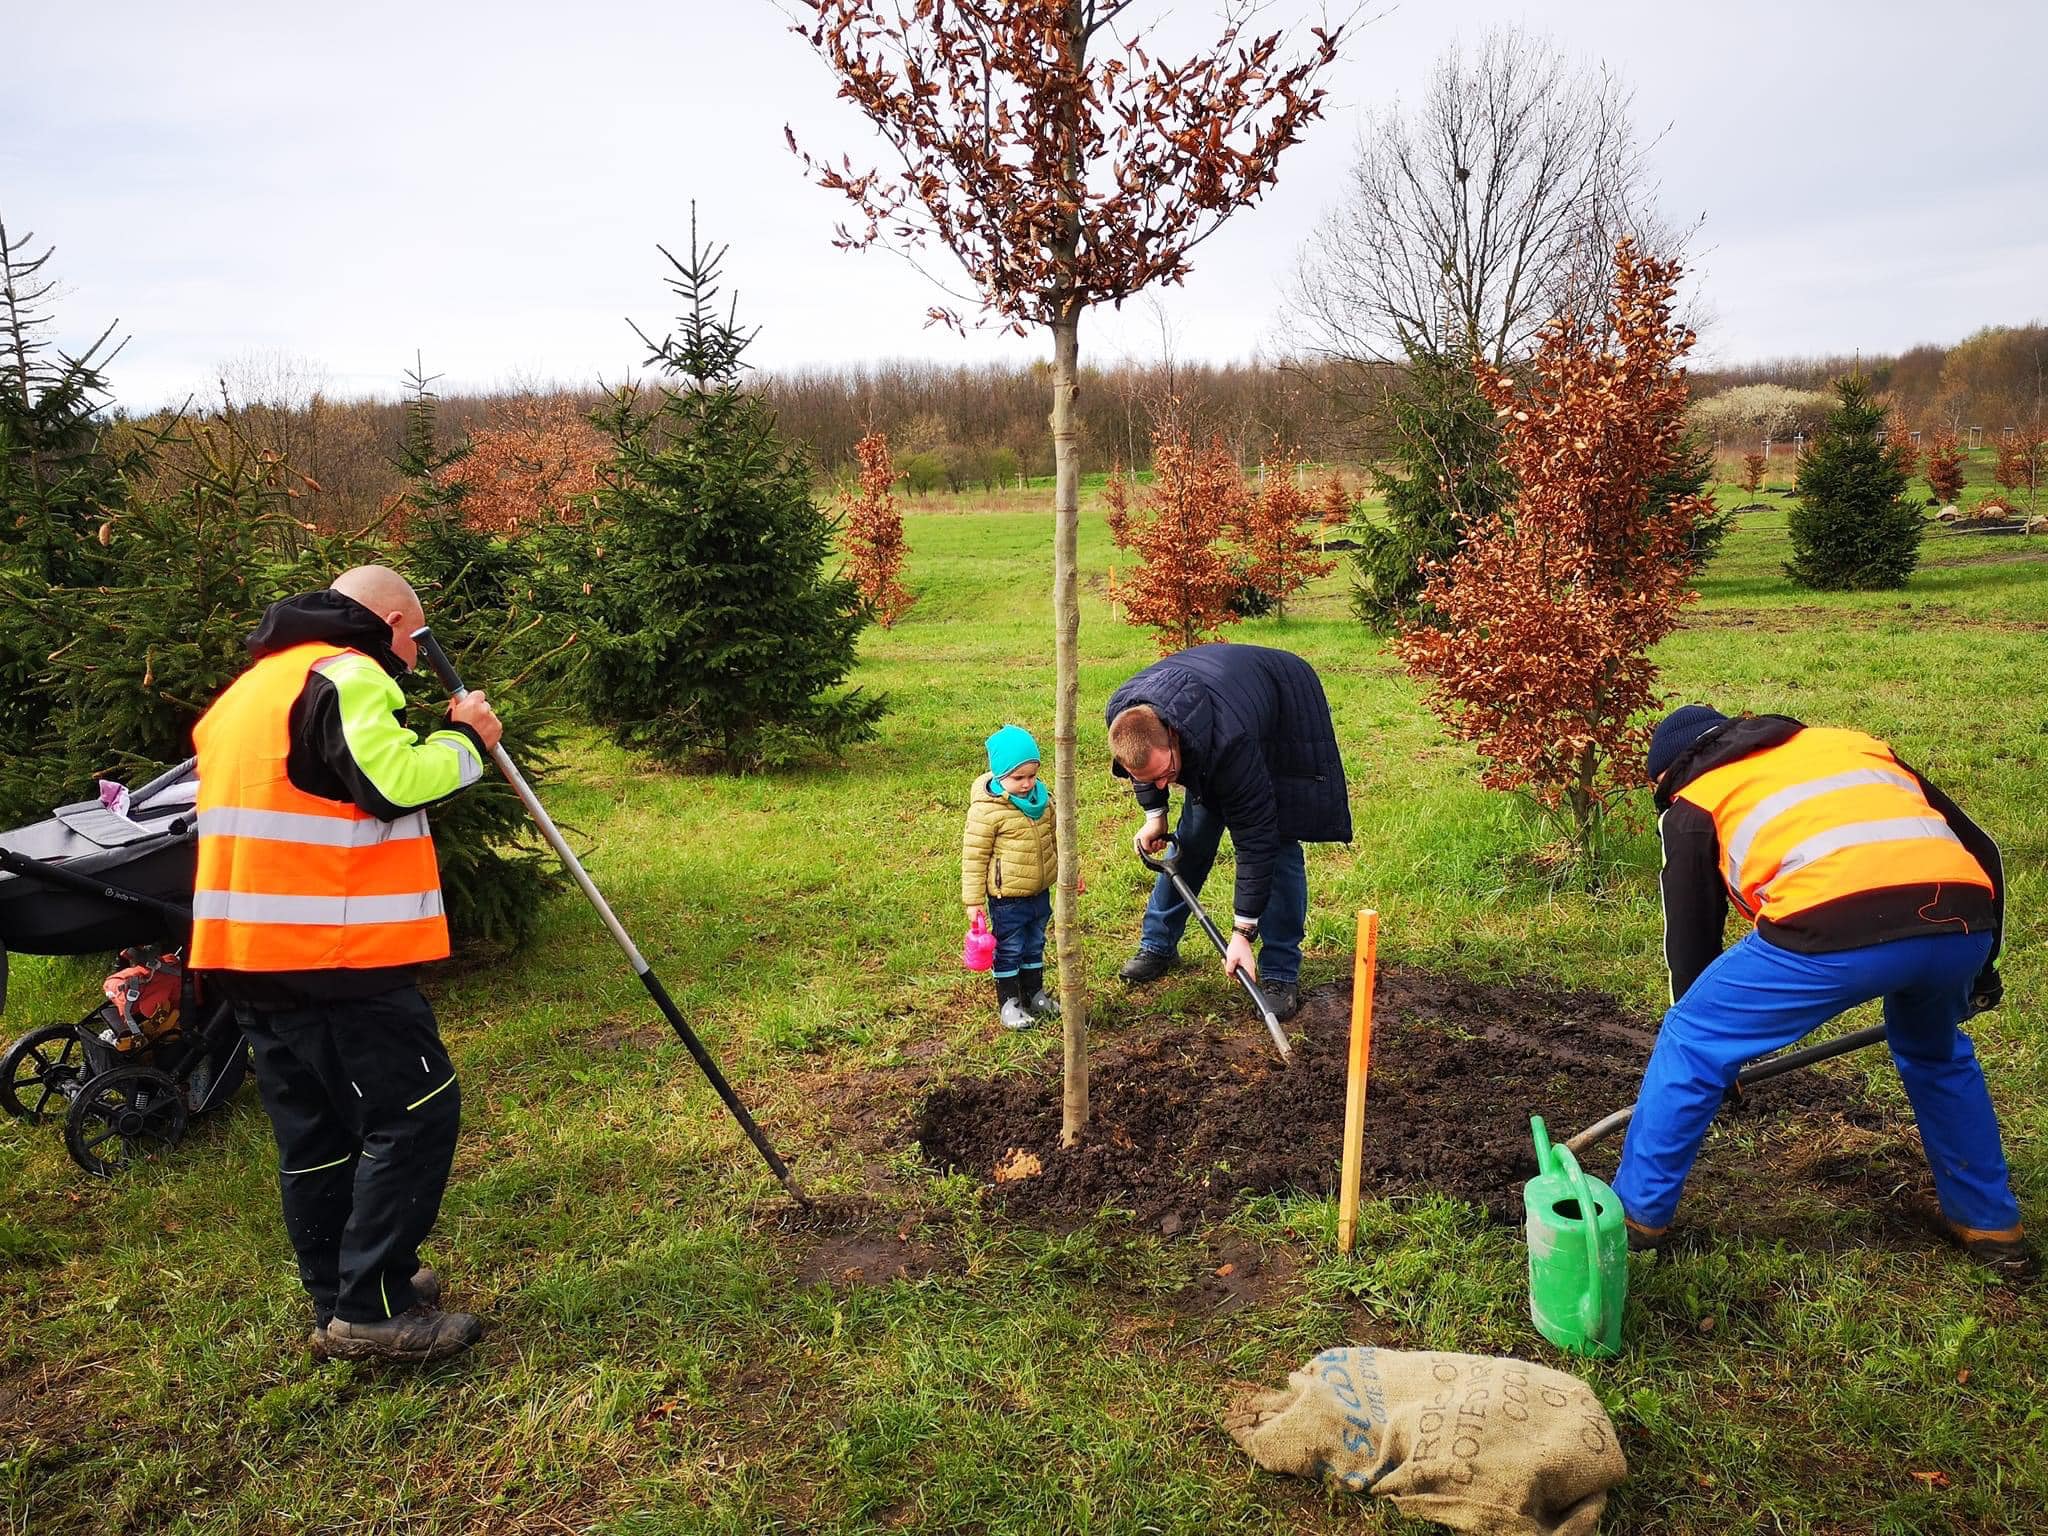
x=1008, y=864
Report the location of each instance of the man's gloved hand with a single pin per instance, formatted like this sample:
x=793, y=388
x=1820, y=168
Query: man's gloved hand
x=1986, y=990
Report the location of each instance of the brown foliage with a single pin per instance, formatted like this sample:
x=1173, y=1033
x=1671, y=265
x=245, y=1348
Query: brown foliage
x=1899, y=438
x=1183, y=581
x=1753, y=466
x=1541, y=653
x=1334, y=503
x=536, y=459
x=2022, y=457
x=1945, y=466
x=874, y=531
x=1281, y=555
x=1057, y=181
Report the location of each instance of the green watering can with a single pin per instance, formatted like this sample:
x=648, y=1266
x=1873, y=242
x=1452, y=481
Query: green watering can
x=1578, y=1252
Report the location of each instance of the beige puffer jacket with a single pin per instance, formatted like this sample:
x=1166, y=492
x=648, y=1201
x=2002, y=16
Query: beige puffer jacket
x=1004, y=852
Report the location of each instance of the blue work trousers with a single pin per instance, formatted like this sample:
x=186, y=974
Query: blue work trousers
x=1757, y=998
x=1281, y=925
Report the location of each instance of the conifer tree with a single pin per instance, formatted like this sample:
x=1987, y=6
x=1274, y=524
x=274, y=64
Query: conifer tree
x=1183, y=583
x=874, y=531
x=62, y=471
x=1446, y=479
x=480, y=593
x=1852, y=529
x=1945, y=467
x=713, y=628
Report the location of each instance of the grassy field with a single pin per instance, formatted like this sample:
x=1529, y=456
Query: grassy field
x=669, y=1352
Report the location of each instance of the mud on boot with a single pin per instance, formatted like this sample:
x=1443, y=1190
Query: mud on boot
x=419, y=1334
x=426, y=1285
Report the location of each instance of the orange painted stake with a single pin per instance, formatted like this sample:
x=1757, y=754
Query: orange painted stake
x=1364, y=966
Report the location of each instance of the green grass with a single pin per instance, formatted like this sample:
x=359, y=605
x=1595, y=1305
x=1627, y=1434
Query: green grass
x=658, y=1363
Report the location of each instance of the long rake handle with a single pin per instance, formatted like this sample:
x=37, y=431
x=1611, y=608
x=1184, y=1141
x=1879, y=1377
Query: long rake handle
x=444, y=669
x=1758, y=1072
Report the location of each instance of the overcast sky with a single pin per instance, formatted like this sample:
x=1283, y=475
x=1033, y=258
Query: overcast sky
x=486, y=183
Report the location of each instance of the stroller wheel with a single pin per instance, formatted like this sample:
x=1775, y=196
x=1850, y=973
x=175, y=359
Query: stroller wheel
x=42, y=1067
x=123, y=1115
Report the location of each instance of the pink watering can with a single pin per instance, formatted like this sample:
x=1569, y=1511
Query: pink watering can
x=978, y=949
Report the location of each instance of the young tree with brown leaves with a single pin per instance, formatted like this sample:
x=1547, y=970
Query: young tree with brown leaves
x=874, y=531
x=1335, y=504
x=1281, y=552
x=2020, y=461
x=1899, y=437
x=537, y=459
x=1062, y=167
x=1753, y=466
x=1945, y=466
x=1183, y=582
x=1541, y=656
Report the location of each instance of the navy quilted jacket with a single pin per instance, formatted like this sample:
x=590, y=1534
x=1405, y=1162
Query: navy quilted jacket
x=1257, y=747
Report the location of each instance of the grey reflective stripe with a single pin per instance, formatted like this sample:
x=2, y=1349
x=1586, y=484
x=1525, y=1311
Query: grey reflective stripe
x=314, y=911
x=323, y=831
x=472, y=767
x=1776, y=804
x=1900, y=829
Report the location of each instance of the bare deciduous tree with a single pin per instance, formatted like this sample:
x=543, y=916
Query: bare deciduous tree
x=1467, y=223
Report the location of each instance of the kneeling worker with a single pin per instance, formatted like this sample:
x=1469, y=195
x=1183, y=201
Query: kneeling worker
x=1863, y=881
x=316, y=900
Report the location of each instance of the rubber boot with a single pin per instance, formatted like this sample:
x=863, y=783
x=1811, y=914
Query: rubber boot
x=1043, y=1004
x=1010, y=1003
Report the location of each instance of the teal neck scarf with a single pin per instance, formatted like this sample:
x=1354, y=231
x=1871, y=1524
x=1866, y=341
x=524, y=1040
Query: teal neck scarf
x=1032, y=805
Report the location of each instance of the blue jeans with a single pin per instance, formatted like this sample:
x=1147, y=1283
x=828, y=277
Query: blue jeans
x=1281, y=925
x=1019, y=926
x=1757, y=998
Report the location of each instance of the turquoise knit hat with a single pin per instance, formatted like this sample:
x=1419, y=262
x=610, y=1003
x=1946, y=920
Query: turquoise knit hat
x=1009, y=749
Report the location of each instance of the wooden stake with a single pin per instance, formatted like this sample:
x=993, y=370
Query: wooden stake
x=1364, y=966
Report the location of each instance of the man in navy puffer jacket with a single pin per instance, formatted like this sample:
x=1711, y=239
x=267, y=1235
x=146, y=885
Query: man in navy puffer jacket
x=1246, y=732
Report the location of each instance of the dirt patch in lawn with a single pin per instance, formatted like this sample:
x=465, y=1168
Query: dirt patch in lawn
x=1184, y=1126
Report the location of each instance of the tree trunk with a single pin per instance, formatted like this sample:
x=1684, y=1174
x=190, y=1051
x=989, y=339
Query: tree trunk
x=1066, y=607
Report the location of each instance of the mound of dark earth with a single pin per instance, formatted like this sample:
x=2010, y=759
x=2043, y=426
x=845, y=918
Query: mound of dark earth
x=1184, y=1125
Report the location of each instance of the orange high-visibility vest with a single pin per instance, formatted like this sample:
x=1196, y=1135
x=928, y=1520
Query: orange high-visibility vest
x=289, y=881
x=1828, y=814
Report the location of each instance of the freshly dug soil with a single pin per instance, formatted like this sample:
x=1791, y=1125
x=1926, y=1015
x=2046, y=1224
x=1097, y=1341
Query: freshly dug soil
x=1184, y=1125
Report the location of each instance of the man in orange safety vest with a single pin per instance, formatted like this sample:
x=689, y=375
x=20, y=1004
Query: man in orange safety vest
x=1861, y=881
x=317, y=899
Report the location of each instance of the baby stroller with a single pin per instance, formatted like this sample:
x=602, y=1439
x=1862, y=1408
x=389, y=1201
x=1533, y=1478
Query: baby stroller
x=115, y=873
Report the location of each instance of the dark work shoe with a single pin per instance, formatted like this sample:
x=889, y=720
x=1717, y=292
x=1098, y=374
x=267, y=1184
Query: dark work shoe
x=416, y=1335
x=426, y=1285
x=1147, y=965
x=1283, y=998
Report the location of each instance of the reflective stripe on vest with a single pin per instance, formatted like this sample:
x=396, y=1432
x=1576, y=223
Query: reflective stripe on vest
x=1824, y=815
x=289, y=881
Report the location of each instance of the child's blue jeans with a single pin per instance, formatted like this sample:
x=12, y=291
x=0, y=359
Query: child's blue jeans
x=1757, y=998
x=1019, y=926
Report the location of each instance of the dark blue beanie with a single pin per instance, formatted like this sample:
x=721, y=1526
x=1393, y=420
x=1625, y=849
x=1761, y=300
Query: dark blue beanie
x=1678, y=731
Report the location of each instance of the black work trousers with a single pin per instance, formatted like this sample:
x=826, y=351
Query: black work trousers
x=364, y=1104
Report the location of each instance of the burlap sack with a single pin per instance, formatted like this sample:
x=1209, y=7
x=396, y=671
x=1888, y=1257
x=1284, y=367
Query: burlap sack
x=1474, y=1443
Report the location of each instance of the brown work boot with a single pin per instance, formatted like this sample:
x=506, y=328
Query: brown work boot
x=426, y=1285
x=1642, y=1239
x=418, y=1334
x=2007, y=1254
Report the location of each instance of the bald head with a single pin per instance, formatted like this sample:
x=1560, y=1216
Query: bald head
x=391, y=597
